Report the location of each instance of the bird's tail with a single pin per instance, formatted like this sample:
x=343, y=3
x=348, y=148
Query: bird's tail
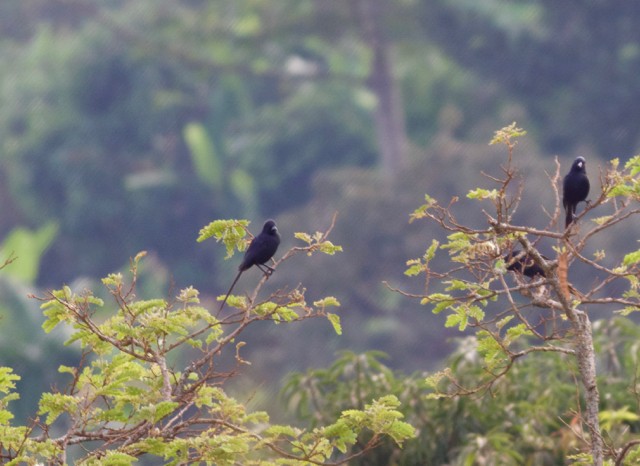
x=230, y=289
x=568, y=218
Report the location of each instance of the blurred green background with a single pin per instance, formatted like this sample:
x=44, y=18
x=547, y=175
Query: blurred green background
x=128, y=125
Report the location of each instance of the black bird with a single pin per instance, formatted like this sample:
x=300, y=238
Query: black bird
x=261, y=249
x=575, y=189
x=522, y=263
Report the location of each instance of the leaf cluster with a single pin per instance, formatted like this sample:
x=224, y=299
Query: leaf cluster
x=513, y=316
x=529, y=416
x=128, y=398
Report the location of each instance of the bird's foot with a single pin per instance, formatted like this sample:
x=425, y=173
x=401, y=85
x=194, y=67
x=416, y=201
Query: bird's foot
x=266, y=270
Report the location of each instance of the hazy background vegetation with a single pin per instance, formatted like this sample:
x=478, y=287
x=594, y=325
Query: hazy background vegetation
x=128, y=125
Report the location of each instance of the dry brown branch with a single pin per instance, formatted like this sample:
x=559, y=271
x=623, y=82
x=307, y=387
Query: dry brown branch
x=563, y=272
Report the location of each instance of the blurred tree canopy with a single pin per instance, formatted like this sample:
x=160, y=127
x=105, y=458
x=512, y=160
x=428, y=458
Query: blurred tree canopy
x=93, y=120
x=130, y=124
x=127, y=125
x=529, y=417
x=135, y=122
x=571, y=64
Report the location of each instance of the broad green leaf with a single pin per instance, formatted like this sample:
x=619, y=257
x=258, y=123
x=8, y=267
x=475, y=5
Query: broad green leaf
x=328, y=301
x=244, y=188
x=335, y=321
x=303, y=237
x=329, y=248
x=631, y=258
x=206, y=161
x=28, y=246
x=422, y=211
x=611, y=418
x=482, y=194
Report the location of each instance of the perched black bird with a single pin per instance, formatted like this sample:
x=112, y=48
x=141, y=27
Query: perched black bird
x=522, y=263
x=575, y=189
x=261, y=249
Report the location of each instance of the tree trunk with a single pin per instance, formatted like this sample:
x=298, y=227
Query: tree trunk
x=585, y=354
x=586, y=358
x=389, y=113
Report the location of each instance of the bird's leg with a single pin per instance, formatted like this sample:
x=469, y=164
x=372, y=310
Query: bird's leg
x=267, y=272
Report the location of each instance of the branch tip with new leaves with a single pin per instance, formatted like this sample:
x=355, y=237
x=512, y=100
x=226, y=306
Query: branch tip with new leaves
x=317, y=242
x=507, y=134
x=231, y=233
